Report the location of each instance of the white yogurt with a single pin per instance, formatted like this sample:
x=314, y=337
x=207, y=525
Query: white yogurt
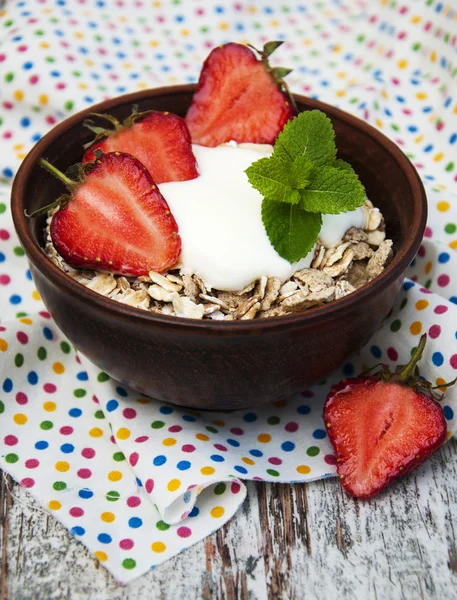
x=335, y=226
x=219, y=219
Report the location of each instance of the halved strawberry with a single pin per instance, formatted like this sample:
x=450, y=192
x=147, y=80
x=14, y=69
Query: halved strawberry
x=115, y=219
x=382, y=426
x=239, y=97
x=161, y=141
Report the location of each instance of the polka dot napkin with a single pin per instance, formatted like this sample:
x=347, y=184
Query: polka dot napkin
x=135, y=480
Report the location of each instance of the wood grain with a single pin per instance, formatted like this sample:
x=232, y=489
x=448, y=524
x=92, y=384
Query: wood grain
x=287, y=541
x=5, y=505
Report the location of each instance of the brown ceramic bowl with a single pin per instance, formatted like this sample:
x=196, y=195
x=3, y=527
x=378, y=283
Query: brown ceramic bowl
x=221, y=365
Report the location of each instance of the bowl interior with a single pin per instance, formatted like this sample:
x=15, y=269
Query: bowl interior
x=390, y=180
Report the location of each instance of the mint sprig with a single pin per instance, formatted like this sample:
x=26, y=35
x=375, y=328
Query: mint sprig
x=301, y=181
x=280, y=180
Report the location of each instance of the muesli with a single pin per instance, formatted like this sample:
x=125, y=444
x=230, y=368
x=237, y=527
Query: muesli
x=335, y=272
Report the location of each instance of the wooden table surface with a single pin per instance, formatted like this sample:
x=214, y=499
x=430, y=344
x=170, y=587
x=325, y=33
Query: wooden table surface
x=287, y=541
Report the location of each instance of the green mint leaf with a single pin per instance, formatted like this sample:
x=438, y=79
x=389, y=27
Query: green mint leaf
x=293, y=197
x=299, y=172
x=270, y=176
x=291, y=231
x=343, y=165
x=311, y=134
x=332, y=191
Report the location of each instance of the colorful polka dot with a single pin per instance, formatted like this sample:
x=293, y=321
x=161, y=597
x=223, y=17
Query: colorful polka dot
x=207, y=470
x=173, y=485
x=303, y=469
x=107, y=517
x=158, y=547
x=101, y=556
x=123, y=433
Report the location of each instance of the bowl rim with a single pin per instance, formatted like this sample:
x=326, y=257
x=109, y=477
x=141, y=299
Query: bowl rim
x=218, y=328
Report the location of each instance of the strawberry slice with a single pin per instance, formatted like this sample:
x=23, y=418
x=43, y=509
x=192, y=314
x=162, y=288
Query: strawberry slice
x=161, y=141
x=239, y=97
x=115, y=219
x=382, y=426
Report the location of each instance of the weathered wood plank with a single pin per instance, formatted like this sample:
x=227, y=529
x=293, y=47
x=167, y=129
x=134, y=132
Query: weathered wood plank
x=393, y=546
x=5, y=504
x=303, y=541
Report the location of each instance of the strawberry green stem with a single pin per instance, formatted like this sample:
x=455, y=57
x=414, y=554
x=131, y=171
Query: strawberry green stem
x=444, y=385
x=60, y=202
x=405, y=374
x=58, y=174
x=101, y=132
x=370, y=370
x=109, y=118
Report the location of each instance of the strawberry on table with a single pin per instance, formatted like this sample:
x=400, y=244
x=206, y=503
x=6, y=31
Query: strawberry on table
x=161, y=141
x=239, y=97
x=383, y=425
x=114, y=219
